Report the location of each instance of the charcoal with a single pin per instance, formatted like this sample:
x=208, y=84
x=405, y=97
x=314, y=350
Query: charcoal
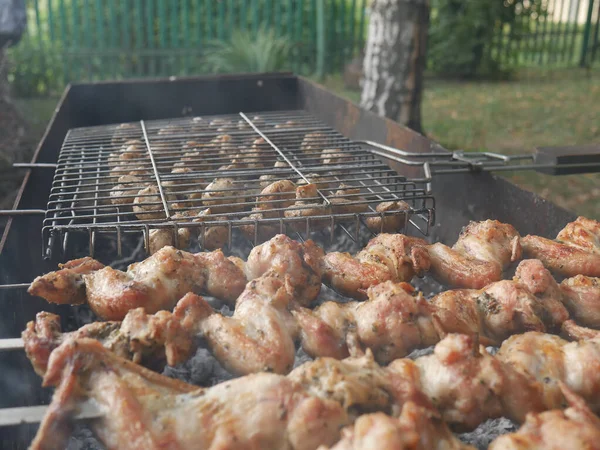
x=489, y=430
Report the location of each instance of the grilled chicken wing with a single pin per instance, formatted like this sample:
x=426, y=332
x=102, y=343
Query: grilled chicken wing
x=576, y=250
x=573, y=332
x=417, y=428
x=482, y=251
x=575, y=428
x=148, y=339
x=360, y=385
x=145, y=410
x=65, y=285
x=155, y=283
x=549, y=360
x=464, y=382
x=394, y=257
x=301, y=262
x=469, y=386
x=391, y=323
x=500, y=309
x=580, y=294
x=259, y=335
x=582, y=298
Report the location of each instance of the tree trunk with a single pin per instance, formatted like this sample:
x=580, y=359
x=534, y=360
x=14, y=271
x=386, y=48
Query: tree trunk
x=395, y=60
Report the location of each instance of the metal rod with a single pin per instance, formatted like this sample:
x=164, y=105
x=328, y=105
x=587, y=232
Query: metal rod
x=34, y=166
x=7, y=345
x=15, y=286
x=325, y=200
x=160, y=189
x=35, y=414
x=22, y=212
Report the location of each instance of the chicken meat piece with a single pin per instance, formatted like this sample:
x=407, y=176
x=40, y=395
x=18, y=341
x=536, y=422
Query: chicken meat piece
x=479, y=256
x=148, y=339
x=212, y=237
x=266, y=179
x=225, y=279
x=323, y=181
x=140, y=170
x=313, y=143
x=347, y=201
x=394, y=257
x=65, y=285
x=580, y=294
x=164, y=237
x=575, y=251
x=550, y=360
x=464, y=383
x=259, y=337
x=125, y=132
x=307, y=205
x=582, y=299
x=468, y=385
x=391, y=323
x=132, y=152
x=336, y=156
x=257, y=230
x=359, y=384
x=573, y=332
x=279, y=194
x=148, y=203
x=575, y=428
x=531, y=301
x=155, y=283
x=394, y=215
x=141, y=409
x=184, y=181
x=221, y=196
x=417, y=428
x=124, y=193
x=301, y=262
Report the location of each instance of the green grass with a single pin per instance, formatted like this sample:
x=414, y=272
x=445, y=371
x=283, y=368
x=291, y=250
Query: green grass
x=536, y=109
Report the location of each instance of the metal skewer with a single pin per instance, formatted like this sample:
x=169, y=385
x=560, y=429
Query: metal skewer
x=7, y=345
x=34, y=414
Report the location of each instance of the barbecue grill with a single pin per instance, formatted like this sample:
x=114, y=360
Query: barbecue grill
x=63, y=208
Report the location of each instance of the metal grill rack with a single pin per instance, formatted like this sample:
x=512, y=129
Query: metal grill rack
x=137, y=177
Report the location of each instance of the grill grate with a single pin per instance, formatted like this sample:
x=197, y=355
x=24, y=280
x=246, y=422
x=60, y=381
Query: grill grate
x=138, y=177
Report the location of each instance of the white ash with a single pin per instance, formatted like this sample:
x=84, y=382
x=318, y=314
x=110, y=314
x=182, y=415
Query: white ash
x=83, y=439
x=484, y=434
x=202, y=369
x=421, y=352
x=301, y=357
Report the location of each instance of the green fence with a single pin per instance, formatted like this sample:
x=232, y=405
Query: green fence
x=99, y=39
x=80, y=40
x=559, y=33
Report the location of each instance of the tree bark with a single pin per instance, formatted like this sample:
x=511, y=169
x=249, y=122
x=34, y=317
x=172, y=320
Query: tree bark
x=395, y=60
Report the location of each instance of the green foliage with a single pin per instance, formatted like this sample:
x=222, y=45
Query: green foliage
x=463, y=32
x=245, y=52
x=32, y=72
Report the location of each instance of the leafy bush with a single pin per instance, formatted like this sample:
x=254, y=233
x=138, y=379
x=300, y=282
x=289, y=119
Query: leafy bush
x=264, y=52
x=34, y=72
x=462, y=33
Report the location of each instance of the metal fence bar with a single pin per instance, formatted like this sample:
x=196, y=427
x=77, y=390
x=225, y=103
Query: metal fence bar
x=595, y=42
x=575, y=31
x=100, y=39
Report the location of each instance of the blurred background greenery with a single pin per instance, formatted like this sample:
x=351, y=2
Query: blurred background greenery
x=502, y=75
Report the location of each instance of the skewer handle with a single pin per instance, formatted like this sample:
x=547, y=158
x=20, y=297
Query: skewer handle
x=569, y=160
